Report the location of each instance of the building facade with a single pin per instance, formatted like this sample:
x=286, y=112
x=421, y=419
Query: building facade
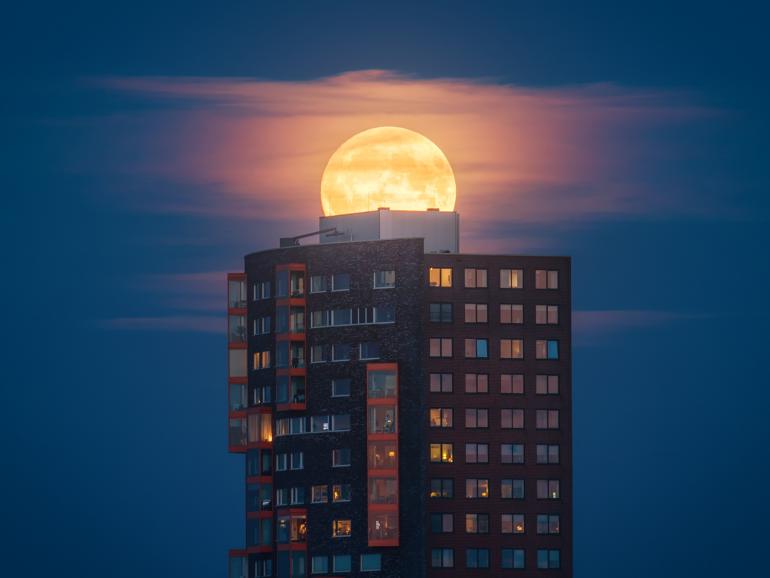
x=401, y=413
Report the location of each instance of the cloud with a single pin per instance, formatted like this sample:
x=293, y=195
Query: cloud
x=256, y=149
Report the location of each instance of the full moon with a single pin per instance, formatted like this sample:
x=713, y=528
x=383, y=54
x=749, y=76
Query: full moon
x=388, y=167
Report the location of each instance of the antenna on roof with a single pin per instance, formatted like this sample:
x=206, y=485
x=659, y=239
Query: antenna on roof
x=294, y=241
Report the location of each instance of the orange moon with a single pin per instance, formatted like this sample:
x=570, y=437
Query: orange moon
x=390, y=167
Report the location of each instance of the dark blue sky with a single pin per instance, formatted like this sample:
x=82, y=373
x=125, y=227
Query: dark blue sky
x=112, y=411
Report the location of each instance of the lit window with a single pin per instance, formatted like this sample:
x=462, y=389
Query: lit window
x=475, y=278
x=547, y=385
x=512, y=558
x=512, y=384
x=381, y=455
x=238, y=396
x=442, y=523
x=547, y=453
x=476, y=453
x=341, y=387
x=441, y=453
x=477, y=523
x=341, y=563
x=442, y=488
x=441, y=312
x=547, y=419
x=441, y=383
x=475, y=312
x=440, y=347
x=340, y=457
x=545, y=279
x=476, y=488
x=512, y=523
x=440, y=417
x=382, y=419
x=511, y=349
x=547, y=314
x=442, y=558
x=476, y=383
x=512, y=489
x=320, y=494
x=440, y=277
x=477, y=558
x=548, y=559
x=476, y=418
x=341, y=493
x=512, y=418
x=476, y=348
x=384, y=279
x=319, y=565
x=548, y=523
x=511, y=314
x=548, y=489
x=291, y=529
x=340, y=528
x=512, y=453
x=511, y=278
x=371, y=562
x=547, y=349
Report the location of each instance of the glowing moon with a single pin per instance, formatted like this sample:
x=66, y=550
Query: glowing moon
x=389, y=167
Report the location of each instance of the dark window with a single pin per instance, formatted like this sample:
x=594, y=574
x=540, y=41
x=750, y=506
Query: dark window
x=547, y=385
x=476, y=453
x=512, y=418
x=512, y=384
x=548, y=524
x=442, y=488
x=440, y=277
x=547, y=419
x=441, y=383
x=442, y=558
x=512, y=489
x=477, y=348
x=475, y=312
x=440, y=347
x=442, y=523
x=512, y=558
x=440, y=417
x=476, y=418
x=477, y=523
x=548, y=559
x=548, y=490
x=545, y=279
x=477, y=558
x=476, y=383
x=441, y=312
x=512, y=453
x=511, y=314
x=475, y=278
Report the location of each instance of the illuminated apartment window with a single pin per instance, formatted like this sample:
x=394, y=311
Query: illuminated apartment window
x=512, y=384
x=440, y=277
x=382, y=419
x=547, y=419
x=512, y=489
x=545, y=279
x=319, y=565
x=477, y=558
x=260, y=427
x=440, y=383
x=477, y=523
x=291, y=529
x=281, y=462
x=440, y=347
x=384, y=314
x=341, y=387
x=512, y=523
x=475, y=312
x=340, y=457
x=512, y=418
x=441, y=453
x=512, y=453
x=476, y=348
x=341, y=528
x=547, y=349
x=511, y=314
x=547, y=314
x=476, y=383
x=261, y=359
x=319, y=494
x=341, y=563
x=384, y=279
x=548, y=490
x=341, y=493
x=477, y=488
x=511, y=349
x=441, y=312
x=475, y=278
x=547, y=453
x=383, y=525
x=547, y=385
x=442, y=558
x=282, y=284
x=442, y=488
x=440, y=417
x=511, y=278
x=236, y=292
x=442, y=523
x=476, y=453
x=548, y=559
x=548, y=523
x=383, y=490
x=512, y=558
x=381, y=455
x=476, y=417
x=371, y=562
x=237, y=363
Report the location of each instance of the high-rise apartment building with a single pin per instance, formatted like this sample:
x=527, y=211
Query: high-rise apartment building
x=402, y=413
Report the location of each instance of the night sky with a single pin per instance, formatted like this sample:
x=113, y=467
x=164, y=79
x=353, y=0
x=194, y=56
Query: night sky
x=148, y=146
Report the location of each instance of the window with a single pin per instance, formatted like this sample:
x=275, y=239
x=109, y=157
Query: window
x=319, y=283
x=381, y=384
x=370, y=350
x=262, y=325
x=442, y=523
x=547, y=453
x=319, y=565
x=441, y=417
x=341, y=282
x=441, y=347
x=341, y=387
x=548, y=559
x=477, y=523
x=442, y=488
x=371, y=562
x=512, y=489
x=547, y=385
x=340, y=457
x=381, y=455
x=319, y=494
x=546, y=279
x=476, y=488
x=477, y=558
x=547, y=349
x=548, y=489
x=476, y=348
x=476, y=453
x=384, y=279
x=319, y=353
x=475, y=312
x=511, y=314
x=237, y=362
x=512, y=523
x=511, y=349
x=341, y=352
x=383, y=314
x=476, y=417
x=382, y=419
x=512, y=558
x=512, y=453
x=341, y=493
x=441, y=312
x=383, y=490
x=282, y=497
x=441, y=383
x=290, y=426
x=236, y=291
x=442, y=453
x=320, y=318
x=511, y=278
x=236, y=328
x=341, y=563
x=263, y=568
x=475, y=278
x=512, y=384
x=547, y=314
x=476, y=383
x=548, y=523
x=261, y=290
x=297, y=496
x=297, y=460
x=282, y=284
x=341, y=528
x=238, y=396
x=440, y=277
x=342, y=316
x=547, y=419
x=442, y=558
x=512, y=418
